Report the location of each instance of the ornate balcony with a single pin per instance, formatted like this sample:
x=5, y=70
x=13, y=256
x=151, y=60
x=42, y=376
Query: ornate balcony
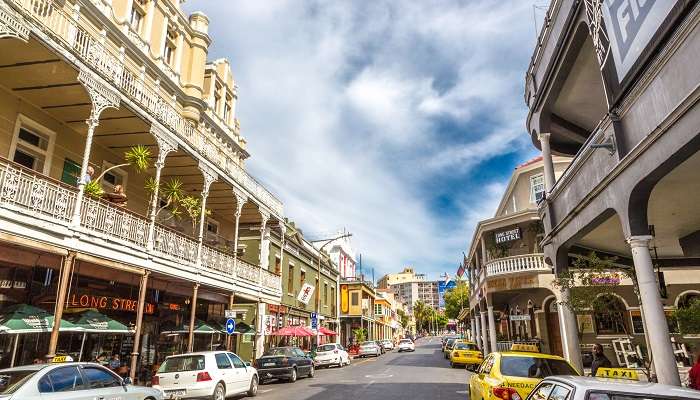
x=517, y=264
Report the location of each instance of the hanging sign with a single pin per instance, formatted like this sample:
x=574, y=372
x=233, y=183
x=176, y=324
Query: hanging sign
x=305, y=293
x=524, y=317
x=508, y=236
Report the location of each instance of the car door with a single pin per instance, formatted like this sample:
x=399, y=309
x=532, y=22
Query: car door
x=64, y=383
x=105, y=385
x=242, y=373
x=227, y=372
x=303, y=360
x=478, y=386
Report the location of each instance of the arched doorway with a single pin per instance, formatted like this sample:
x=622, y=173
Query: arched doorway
x=553, y=332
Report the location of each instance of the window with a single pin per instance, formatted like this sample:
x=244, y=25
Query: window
x=325, y=293
x=10, y=381
x=377, y=309
x=542, y=392
x=610, y=319
x=169, y=53
x=222, y=361
x=136, y=19
x=227, y=109
x=237, y=362
x=212, y=226
x=182, y=363
x=62, y=380
x=302, y=278
x=534, y=367
x=560, y=393
x=99, y=378
x=354, y=299
x=278, y=265
x=32, y=145
x=71, y=172
x=217, y=98
x=536, y=188
x=290, y=279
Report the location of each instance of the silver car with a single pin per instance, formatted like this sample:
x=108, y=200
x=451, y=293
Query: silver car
x=370, y=349
x=589, y=388
x=71, y=380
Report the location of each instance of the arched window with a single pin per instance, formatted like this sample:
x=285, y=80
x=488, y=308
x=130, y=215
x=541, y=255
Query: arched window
x=610, y=315
x=687, y=299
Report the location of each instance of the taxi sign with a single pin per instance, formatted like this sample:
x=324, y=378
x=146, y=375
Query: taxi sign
x=530, y=348
x=617, y=373
x=61, y=359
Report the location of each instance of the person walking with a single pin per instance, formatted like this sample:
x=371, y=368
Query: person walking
x=694, y=373
x=599, y=359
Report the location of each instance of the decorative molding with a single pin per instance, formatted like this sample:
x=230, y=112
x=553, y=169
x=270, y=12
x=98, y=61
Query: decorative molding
x=210, y=176
x=601, y=43
x=166, y=144
x=12, y=25
x=101, y=95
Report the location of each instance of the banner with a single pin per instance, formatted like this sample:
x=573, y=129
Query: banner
x=305, y=293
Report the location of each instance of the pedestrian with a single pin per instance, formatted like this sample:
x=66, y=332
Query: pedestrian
x=88, y=174
x=694, y=373
x=114, y=363
x=599, y=359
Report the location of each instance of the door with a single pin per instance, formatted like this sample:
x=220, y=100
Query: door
x=303, y=360
x=553, y=331
x=104, y=385
x=71, y=172
x=478, y=388
x=65, y=383
x=242, y=373
x=227, y=372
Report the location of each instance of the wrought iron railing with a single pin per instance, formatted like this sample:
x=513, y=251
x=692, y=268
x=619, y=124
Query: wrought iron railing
x=515, y=264
x=270, y=280
x=173, y=244
x=218, y=261
x=247, y=271
x=114, y=222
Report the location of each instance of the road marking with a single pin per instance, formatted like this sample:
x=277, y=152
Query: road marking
x=380, y=376
x=462, y=392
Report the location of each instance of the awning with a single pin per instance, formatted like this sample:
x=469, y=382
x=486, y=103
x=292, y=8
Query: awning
x=244, y=329
x=23, y=318
x=92, y=321
x=297, y=331
x=326, y=332
x=200, y=328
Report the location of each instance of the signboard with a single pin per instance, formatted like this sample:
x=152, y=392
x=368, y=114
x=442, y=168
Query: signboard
x=518, y=282
x=230, y=313
x=443, y=287
x=524, y=317
x=274, y=308
x=230, y=326
x=314, y=320
x=631, y=25
x=107, y=303
x=305, y=293
x=344, y=299
x=508, y=236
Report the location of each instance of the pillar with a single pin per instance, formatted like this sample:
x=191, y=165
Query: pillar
x=549, y=179
x=492, y=328
x=472, y=337
x=209, y=177
x=477, y=330
x=484, y=335
x=651, y=306
x=240, y=200
x=61, y=296
x=568, y=325
x=139, y=325
x=193, y=310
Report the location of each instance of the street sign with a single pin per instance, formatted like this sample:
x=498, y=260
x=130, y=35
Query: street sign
x=525, y=317
x=314, y=320
x=230, y=326
x=230, y=313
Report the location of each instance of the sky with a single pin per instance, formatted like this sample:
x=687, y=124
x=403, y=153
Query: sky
x=398, y=121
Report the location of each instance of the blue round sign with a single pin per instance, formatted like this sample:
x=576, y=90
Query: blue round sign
x=230, y=326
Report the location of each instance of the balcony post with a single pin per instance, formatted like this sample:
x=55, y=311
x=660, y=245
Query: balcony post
x=472, y=327
x=283, y=233
x=193, y=310
x=654, y=315
x=265, y=216
x=549, y=179
x=139, y=324
x=240, y=201
x=477, y=330
x=209, y=177
x=165, y=146
x=492, y=327
x=61, y=297
x=102, y=98
x=484, y=334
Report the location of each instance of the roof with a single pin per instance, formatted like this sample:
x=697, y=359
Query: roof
x=529, y=162
x=618, y=385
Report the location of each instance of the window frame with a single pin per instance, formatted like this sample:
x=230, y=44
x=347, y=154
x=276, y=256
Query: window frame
x=32, y=126
x=212, y=221
x=137, y=9
x=47, y=377
x=533, y=193
x=226, y=358
x=86, y=380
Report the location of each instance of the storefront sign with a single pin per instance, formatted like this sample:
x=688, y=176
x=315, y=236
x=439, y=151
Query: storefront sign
x=107, y=303
x=274, y=308
x=525, y=317
x=508, y=236
x=606, y=279
x=305, y=293
x=344, y=299
x=518, y=282
x=8, y=284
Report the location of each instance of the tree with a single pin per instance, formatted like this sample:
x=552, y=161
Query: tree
x=403, y=318
x=137, y=157
x=456, y=299
x=689, y=318
x=421, y=314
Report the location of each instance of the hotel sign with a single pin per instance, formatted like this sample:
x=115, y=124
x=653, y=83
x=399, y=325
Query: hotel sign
x=631, y=25
x=508, y=236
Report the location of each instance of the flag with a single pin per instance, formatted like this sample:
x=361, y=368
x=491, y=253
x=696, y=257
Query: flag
x=460, y=271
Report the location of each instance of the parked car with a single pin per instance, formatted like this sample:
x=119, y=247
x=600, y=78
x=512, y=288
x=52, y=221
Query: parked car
x=381, y=346
x=331, y=354
x=406, y=345
x=370, y=348
x=589, y=388
x=69, y=380
x=211, y=374
x=284, y=363
x=388, y=344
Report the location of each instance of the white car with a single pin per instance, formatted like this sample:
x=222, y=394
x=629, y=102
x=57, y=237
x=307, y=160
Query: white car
x=370, y=348
x=388, y=344
x=331, y=354
x=212, y=374
x=406, y=345
x=590, y=388
x=69, y=380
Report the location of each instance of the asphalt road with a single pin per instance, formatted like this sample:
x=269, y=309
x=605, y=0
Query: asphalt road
x=423, y=374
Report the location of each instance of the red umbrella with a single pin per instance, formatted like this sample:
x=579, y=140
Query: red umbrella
x=326, y=332
x=293, y=331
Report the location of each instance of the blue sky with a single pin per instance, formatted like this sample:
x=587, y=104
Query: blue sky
x=398, y=121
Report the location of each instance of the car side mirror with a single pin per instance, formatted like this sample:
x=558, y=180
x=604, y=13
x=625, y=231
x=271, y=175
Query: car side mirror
x=247, y=364
x=126, y=381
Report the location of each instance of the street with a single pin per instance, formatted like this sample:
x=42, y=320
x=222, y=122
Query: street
x=423, y=374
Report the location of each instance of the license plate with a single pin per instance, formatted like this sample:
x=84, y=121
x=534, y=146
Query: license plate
x=268, y=364
x=175, y=393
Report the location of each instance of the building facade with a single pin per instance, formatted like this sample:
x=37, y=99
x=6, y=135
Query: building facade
x=357, y=302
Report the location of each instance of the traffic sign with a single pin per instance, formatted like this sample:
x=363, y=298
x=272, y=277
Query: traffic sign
x=230, y=326
x=314, y=320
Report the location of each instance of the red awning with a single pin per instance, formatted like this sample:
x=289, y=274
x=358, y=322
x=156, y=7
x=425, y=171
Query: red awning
x=293, y=331
x=326, y=332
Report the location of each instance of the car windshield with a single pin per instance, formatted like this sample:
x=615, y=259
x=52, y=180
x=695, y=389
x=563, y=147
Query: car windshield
x=465, y=346
x=10, y=381
x=406, y=341
x=277, y=352
x=365, y=344
x=182, y=363
x=450, y=341
x=535, y=367
x=326, y=347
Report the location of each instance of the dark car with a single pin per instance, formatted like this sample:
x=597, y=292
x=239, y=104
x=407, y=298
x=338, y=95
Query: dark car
x=284, y=363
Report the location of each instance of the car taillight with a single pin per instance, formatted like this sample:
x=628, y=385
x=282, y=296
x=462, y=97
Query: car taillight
x=155, y=380
x=335, y=351
x=505, y=393
x=203, y=376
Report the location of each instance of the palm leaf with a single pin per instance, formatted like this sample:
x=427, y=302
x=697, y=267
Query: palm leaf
x=138, y=157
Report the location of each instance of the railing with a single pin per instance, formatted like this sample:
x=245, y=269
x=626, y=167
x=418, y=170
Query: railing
x=270, y=280
x=114, y=222
x=247, y=271
x=217, y=260
x=84, y=40
x=29, y=192
x=515, y=264
x=173, y=244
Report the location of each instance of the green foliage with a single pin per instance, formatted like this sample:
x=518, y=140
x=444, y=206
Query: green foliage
x=456, y=300
x=403, y=318
x=689, y=318
x=138, y=157
x=360, y=334
x=93, y=189
x=499, y=250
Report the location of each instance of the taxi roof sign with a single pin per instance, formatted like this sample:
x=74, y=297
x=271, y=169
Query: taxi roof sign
x=530, y=348
x=61, y=359
x=617, y=373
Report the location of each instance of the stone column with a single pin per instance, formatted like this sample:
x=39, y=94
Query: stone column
x=549, y=179
x=139, y=325
x=165, y=146
x=472, y=328
x=568, y=325
x=61, y=296
x=652, y=307
x=492, y=328
x=193, y=310
x=484, y=334
x=477, y=330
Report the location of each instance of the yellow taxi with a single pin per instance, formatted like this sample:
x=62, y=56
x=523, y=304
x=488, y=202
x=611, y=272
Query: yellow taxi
x=465, y=353
x=511, y=375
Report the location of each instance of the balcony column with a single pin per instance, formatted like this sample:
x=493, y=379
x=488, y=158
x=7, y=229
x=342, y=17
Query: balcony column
x=209, y=177
x=654, y=315
x=568, y=325
x=61, y=297
x=102, y=98
x=549, y=179
x=139, y=325
x=240, y=201
x=492, y=328
x=476, y=332
x=165, y=146
x=472, y=327
x=484, y=334
x=484, y=254
x=263, y=254
x=193, y=313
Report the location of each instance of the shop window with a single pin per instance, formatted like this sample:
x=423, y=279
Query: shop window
x=32, y=145
x=536, y=188
x=610, y=317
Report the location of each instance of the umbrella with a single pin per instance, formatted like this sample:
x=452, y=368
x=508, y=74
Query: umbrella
x=243, y=328
x=326, y=332
x=200, y=327
x=293, y=331
x=92, y=321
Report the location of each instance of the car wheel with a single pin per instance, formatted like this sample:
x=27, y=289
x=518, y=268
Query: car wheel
x=253, y=391
x=293, y=377
x=311, y=372
x=219, y=392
